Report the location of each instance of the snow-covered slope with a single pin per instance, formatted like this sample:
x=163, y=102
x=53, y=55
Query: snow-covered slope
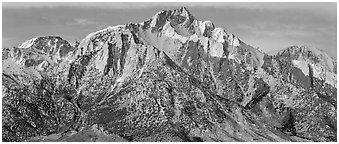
x=308, y=58
x=40, y=52
x=34, y=56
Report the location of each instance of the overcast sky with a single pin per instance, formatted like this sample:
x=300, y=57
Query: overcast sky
x=270, y=26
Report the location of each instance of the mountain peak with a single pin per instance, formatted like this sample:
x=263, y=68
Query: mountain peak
x=176, y=17
x=296, y=49
x=183, y=11
x=31, y=42
x=40, y=51
x=307, y=53
x=168, y=30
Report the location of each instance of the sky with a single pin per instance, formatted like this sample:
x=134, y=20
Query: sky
x=269, y=26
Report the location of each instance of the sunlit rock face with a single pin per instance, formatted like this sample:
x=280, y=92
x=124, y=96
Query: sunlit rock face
x=40, y=52
x=26, y=62
x=169, y=78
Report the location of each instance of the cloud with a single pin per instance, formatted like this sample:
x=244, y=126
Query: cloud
x=106, y=5
x=312, y=6
x=82, y=22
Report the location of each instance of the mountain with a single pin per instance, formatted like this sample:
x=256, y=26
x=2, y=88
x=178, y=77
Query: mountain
x=169, y=78
x=25, y=62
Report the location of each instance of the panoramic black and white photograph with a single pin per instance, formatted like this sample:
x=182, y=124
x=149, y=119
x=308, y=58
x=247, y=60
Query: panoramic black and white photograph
x=169, y=71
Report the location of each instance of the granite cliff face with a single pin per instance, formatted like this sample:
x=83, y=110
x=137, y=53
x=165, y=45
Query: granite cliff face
x=169, y=78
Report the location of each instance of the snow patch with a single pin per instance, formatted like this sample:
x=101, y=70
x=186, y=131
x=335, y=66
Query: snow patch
x=204, y=41
x=235, y=41
x=194, y=38
x=28, y=43
x=154, y=20
x=302, y=65
x=318, y=72
x=204, y=24
x=261, y=51
x=170, y=32
x=218, y=35
x=217, y=50
x=201, y=27
x=323, y=74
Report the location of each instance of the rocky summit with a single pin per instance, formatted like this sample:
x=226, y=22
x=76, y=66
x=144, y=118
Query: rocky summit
x=169, y=78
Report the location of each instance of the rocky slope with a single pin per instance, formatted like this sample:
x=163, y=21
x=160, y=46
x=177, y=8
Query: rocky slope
x=169, y=78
